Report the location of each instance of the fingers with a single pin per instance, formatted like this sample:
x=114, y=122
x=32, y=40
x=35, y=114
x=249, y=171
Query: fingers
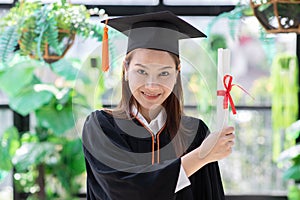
x=230, y=137
x=227, y=138
x=227, y=130
x=218, y=146
x=227, y=135
x=229, y=144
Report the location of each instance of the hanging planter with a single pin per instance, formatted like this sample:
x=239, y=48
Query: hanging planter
x=49, y=54
x=278, y=16
x=45, y=31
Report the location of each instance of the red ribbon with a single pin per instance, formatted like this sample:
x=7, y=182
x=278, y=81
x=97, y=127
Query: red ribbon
x=226, y=93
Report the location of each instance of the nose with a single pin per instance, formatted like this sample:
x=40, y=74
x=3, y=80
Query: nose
x=151, y=82
x=151, y=85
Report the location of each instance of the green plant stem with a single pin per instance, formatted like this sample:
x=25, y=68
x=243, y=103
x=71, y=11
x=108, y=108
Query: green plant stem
x=41, y=181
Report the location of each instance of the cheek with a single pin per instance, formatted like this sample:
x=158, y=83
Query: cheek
x=135, y=82
x=169, y=83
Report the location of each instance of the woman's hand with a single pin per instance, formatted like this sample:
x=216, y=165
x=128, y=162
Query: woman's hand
x=217, y=145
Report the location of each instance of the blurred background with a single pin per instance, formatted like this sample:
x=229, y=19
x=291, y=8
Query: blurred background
x=51, y=79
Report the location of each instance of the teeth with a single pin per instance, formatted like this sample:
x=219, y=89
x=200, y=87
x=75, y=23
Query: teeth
x=151, y=95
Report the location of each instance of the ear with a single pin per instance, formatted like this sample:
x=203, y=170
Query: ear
x=125, y=65
x=178, y=68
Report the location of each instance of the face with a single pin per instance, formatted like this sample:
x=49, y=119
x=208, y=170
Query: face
x=151, y=77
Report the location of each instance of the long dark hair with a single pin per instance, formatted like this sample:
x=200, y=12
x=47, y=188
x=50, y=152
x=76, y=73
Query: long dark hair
x=173, y=104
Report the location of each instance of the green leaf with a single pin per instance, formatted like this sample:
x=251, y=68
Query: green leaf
x=264, y=7
x=294, y=193
x=14, y=78
x=8, y=42
x=57, y=118
x=9, y=143
x=52, y=36
x=29, y=100
x=68, y=71
x=292, y=173
x=33, y=154
x=29, y=137
x=290, y=153
x=75, y=162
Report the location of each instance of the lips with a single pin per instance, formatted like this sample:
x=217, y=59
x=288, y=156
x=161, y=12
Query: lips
x=150, y=96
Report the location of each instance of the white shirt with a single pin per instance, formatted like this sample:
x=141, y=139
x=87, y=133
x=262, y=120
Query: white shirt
x=155, y=125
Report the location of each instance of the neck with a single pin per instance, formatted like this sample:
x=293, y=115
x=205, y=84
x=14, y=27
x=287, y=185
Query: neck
x=150, y=114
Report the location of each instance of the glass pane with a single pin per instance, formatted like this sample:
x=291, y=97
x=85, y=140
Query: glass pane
x=3, y=98
x=254, y=170
x=252, y=54
x=109, y=2
x=6, y=1
x=202, y=2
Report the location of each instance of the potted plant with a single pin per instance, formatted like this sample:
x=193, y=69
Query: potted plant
x=45, y=31
x=278, y=16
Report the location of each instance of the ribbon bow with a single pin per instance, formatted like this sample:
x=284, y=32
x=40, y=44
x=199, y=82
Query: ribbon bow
x=226, y=93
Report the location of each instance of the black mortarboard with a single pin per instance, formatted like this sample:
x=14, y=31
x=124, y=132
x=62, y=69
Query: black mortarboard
x=157, y=30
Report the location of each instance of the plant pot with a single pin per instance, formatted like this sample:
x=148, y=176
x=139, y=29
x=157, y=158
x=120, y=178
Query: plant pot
x=67, y=39
x=278, y=16
x=49, y=54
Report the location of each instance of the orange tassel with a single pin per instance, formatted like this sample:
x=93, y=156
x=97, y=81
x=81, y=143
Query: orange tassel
x=105, y=53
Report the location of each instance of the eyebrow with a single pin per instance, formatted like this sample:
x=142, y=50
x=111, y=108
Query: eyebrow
x=144, y=66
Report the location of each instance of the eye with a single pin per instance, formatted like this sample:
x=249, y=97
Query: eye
x=165, y=73
x=141, y=71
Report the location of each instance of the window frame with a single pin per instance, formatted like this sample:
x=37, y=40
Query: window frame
x=22, y=123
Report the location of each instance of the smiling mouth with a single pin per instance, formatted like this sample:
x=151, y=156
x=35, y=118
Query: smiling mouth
x=150, y=96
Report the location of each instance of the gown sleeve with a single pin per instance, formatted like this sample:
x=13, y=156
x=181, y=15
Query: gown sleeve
x=115, y=173
x=183, y=180
x=206, y=183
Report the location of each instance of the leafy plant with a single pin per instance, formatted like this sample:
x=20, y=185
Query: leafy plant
x=277, y=17
x=42, y=29
x=284, y=79
x=291, y=159
x=52, y=151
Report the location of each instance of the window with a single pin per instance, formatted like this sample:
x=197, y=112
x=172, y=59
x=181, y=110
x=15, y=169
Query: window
x=202, y=2
x=6, y=1
x=251, y=59
x=109, y=2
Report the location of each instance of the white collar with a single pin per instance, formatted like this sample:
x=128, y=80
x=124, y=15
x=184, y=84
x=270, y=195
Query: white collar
x=156, y=124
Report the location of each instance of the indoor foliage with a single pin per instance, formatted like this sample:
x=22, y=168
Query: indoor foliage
x=49, y=157
x=45, y=31
x=284, y=78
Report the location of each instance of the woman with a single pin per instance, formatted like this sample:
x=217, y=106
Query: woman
x=146, y=148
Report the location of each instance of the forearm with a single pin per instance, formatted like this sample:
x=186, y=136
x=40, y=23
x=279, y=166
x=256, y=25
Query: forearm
x=192, y=162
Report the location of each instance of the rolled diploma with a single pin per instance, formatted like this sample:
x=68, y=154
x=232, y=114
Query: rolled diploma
x=222, y=114
x=223, y=69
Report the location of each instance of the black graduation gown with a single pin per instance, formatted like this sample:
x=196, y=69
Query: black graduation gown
x=121, y=164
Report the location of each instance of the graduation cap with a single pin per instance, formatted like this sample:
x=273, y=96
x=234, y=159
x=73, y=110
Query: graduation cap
x=157, y=30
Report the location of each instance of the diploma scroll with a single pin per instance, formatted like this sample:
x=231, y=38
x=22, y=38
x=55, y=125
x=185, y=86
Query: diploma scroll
x=223, y=69
x=222, y=111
